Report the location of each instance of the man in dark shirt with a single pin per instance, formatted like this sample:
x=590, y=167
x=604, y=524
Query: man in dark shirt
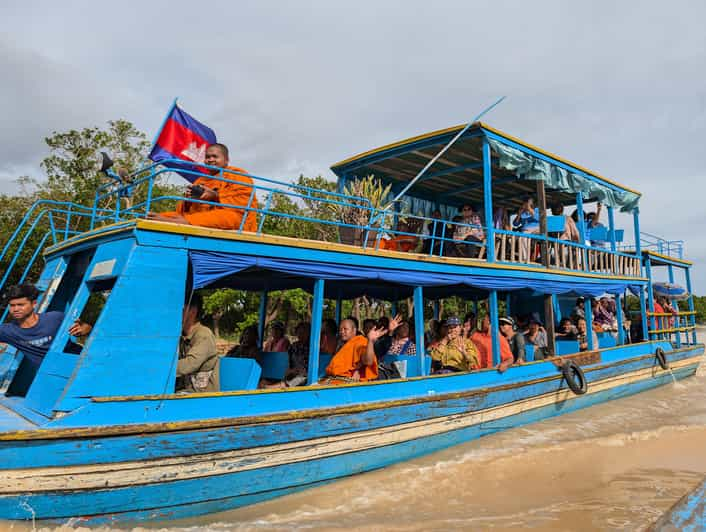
x=30, y=332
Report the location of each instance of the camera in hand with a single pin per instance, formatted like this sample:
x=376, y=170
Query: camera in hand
x=196, y=191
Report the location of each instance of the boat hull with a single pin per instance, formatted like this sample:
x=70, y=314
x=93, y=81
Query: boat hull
x=172, y=474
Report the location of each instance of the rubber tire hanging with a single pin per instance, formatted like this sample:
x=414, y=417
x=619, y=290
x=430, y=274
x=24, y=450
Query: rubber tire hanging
x=661, y=358
x=574, y=377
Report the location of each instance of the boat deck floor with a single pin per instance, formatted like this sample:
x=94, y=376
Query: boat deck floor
x=11, y=421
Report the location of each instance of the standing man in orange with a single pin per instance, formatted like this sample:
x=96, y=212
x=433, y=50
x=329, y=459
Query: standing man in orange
x=216, y=191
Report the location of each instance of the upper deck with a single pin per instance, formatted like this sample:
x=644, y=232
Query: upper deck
x=484, y=167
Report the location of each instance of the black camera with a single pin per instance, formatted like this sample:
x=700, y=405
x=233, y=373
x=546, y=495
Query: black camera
x=196, y=191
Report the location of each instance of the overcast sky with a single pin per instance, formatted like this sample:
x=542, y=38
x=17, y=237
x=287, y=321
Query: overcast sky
x=292, y=87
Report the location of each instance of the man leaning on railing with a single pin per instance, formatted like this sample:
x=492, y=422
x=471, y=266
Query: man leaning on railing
x=214, y=191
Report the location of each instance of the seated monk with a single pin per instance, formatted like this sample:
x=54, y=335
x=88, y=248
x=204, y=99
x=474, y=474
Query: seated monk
x=216, y=191
x=399, y=242
x=355, y=361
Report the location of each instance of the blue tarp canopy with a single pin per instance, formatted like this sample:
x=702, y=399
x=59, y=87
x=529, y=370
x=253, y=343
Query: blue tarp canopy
x=220, y=270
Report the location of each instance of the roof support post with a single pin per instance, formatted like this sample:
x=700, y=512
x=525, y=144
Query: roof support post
x=588, y=313
x=611, y=228
x=636, y=224
x=339, y=309
x=317, y=314
x=419, y=327
x=643, y=315
x=619, y=318
x=582, y=229
x=262, y=316
x=494, y=331
x=436, y=309
x=650, y=295
x=692, y=318
x=675, y=304
x=488, y=202
x=548, y=300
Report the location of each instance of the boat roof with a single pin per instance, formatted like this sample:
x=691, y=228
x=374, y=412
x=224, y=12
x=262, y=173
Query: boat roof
x=457, y=176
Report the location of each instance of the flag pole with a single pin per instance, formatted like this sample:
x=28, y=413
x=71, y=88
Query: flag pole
x=161, y=127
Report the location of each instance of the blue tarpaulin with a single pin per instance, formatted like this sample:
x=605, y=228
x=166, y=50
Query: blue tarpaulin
x=216, y=269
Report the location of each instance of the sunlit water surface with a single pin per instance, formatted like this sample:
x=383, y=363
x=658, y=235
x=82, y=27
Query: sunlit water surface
x=616, y=466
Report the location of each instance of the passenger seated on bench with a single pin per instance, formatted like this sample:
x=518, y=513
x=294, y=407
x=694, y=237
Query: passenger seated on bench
x=216, y=191
x=248, y=347
x=566, y=330
x=604, y=315
x=400, y=242
x=468, y=237
x=197, y=368
x=355, y=361
x=454, y=352
x=403, y=340
x=537, y=336
x=526, y=221
x=579, y=310
x=515, y=339
x=484, y=344
x=277, y=341
x=433, y=232
x=469, y=325
x=298, y=352
x=582, y=336
x=571, y=232
x=328, y=342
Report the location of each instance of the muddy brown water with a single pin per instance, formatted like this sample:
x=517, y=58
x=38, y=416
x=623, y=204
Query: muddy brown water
x=615, y=466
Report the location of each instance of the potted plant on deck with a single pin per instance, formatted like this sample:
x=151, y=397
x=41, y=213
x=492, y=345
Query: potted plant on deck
x=357, y=212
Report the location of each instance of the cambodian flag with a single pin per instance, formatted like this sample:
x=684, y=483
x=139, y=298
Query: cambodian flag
x=182, y=137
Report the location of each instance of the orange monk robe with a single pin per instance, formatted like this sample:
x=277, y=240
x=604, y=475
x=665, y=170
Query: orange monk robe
x=484, y=344
x=399, y=243
x=207, y=215
x=347, y=360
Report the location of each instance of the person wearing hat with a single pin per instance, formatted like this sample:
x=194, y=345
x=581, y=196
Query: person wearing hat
x=454, y=352
x=277, y=342
x=516, y=341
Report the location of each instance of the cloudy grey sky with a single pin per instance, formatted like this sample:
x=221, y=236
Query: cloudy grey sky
x=619, y=87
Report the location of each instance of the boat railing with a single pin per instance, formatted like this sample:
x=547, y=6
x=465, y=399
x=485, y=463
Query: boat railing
x=355, y=221
x=337, y=217
x=657, y=244
x=46, y=222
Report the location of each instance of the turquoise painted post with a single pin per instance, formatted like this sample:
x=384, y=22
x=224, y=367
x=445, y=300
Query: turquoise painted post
x=419, y=327
x=317, y=314
x=636, y=224
x=488, y=202
x=508, y=309
x=588, y=312
x=339, y=310
x=691, y=305
x=675, y=304
x=619, y=318
x=650, y=296
x=262, y=316
x=436, y=309
x=557, y=308
x=643, y=315
x=495, y=340
x=475, y=308
x=582, y=230
x=611, y=228
x=393, y=307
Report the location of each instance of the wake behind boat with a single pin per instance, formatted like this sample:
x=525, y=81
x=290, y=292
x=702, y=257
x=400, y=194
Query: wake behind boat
x=98, y=432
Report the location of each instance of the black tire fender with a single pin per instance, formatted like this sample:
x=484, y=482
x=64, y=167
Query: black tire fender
x=574, y=377
x=661, y=358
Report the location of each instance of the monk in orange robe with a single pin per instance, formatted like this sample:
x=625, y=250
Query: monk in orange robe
x=355, y=361
x=404, y=243
x=216, y=191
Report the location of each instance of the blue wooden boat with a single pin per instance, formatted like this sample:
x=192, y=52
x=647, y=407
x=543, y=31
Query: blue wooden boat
x=101, y=436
